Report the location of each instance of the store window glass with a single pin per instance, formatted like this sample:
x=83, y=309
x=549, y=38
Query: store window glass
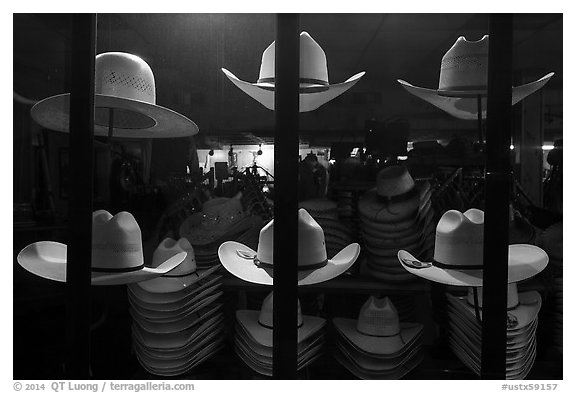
x=391, y=149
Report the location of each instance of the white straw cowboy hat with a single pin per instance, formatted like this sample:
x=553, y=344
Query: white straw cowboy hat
x=259, y=323
x=463, y=77
x=458, y=253
x=378, y=329
x=117, y=256
x=179, y=278
x=315, y=89
x=125, y=96
x=313, y=264
x=172, y=297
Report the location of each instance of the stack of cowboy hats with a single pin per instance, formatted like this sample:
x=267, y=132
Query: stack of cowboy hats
x=315, y=89
x=377, y=345
x=177, y=321
x=557, y=332
x=314, y=266
x=117, y=253
x=253, y=337
x=465, y=329
x=459, y=260
x=325, y=213
x=221, y=219
x=464, y=78
x=396, y=214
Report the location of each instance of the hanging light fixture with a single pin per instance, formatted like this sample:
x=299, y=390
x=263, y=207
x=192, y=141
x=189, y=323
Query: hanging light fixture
x=259, y=152
x=231, y=151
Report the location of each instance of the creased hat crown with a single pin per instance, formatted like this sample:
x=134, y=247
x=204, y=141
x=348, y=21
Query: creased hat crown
x=378, y=317
x=266, y=317
x=116, y=241
x=311, y=241
x=313, y=68
x=460, y=238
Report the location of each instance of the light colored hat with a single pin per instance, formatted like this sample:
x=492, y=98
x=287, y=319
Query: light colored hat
x=378, y=329
x=117, y=256
x=156, y=312
x=124, y=86
x=315, y=90
x=181, y=277
x=464, y=76
x=313, y=264
x=259, y=324
x=173, y=297
x=458, y=253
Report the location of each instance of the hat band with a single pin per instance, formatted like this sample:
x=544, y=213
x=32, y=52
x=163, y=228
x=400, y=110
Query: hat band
x=117, y=270
x=271, y=327
x=379, y=335
x=266, y=265
x=311, y=81
x=182, y=275
x=313, y=89
x=416, y=264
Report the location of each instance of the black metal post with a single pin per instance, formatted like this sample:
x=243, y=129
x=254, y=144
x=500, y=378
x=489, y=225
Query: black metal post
x=498, y=181
x=286, y=141
x=78, y=266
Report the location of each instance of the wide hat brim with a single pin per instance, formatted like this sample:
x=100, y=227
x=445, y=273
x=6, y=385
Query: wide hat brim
x=385, y=345
x=246, y=270
x=47, y=259
x=466, y=107
x=169, y=284
x=524, y=261
x=525, y=313
x=53, y=113
x=249, y=321
x=310, y=98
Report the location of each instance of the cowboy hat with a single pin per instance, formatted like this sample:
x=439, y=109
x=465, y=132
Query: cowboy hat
x=522, y=307
x=117, y=256
x=396, y=196
x=259, y=324
x=169, y=360
x=182, y=276
x=396, y=373
x=179, y=305
x=200, y=314
x=125, y=98
x=171, y=297
x=464, y=77
x=200, y=355
x=313, y=264
x=315, y=90
x=163, y=316
x=458, y=253
x=378, y=329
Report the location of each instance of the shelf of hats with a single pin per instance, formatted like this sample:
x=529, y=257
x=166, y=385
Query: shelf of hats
x=389, y=259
